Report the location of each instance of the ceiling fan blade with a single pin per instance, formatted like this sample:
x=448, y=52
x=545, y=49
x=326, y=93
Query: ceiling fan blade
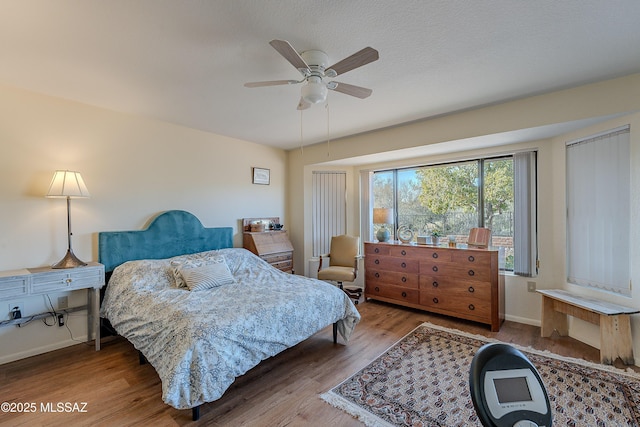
x=303, y=104
x=358, y=59
x=285, y=49
x=271, y=83
x=357, y=91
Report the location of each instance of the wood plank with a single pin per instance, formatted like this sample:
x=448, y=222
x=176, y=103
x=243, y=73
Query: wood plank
x=282, y=390
x=615, y=339
x=592, y=304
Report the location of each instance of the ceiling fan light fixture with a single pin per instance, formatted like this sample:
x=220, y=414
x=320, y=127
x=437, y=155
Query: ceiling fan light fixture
x=315, y=91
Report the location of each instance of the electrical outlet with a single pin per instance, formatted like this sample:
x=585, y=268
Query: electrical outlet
x=60, y=319
x=531, y=286
x=16, y=310
x=63, y=302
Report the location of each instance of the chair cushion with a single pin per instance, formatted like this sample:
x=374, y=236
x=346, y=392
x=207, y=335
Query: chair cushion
x=337, y=273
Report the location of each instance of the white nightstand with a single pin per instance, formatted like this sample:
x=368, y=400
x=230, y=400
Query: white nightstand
x=42, y=280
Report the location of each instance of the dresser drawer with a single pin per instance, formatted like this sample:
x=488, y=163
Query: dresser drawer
x=435, y=254
x=405, y=280
x=478, y=291
x=467, y=305
x=435, y=267
x=471, y=258
x=389, y=263
x=274, y=258
x=65, y=280
x=376, y=249
x=13, y=286
x=405, y=251
x=393, y=292
x=283, y=265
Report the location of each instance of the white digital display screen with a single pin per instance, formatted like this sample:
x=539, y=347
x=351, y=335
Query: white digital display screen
x=513, y=389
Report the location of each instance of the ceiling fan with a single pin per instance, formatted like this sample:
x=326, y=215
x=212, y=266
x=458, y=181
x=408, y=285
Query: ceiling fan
x=313, y=65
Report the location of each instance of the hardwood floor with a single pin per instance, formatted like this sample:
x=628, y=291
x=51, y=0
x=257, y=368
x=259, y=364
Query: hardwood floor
x=281, y=391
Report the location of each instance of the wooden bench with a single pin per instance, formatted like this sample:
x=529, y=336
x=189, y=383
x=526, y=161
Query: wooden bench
x=613, y=319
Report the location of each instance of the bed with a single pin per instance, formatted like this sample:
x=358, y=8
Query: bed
x=200, y=337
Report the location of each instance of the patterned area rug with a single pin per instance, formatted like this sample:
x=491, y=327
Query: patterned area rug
x=423, y=380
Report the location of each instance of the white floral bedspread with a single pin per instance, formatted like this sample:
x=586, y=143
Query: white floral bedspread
x=199, y=342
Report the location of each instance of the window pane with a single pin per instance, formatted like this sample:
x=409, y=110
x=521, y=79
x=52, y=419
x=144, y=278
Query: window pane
x=449, y=198
x=498, y=205
x=383, y=194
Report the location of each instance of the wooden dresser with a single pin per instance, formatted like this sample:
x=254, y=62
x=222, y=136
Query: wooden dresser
x=272, y=246
x=464, y=283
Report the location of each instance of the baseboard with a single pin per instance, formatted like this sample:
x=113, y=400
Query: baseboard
x=524, y=320
x=40, y=350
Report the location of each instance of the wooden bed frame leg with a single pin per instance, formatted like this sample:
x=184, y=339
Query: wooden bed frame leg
x=335, y=333
x=195, y=413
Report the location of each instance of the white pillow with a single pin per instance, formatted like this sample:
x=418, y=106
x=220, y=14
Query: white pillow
x=207, y=276
x=193, y=261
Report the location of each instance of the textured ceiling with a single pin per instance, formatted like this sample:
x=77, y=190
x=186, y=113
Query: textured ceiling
x=186, y=61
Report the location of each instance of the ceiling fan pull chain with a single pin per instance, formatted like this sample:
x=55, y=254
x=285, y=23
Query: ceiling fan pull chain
x=301, y=139
x=328, y=139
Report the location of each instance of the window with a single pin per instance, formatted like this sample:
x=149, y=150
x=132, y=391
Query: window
x=599, y=212
x=454, y=197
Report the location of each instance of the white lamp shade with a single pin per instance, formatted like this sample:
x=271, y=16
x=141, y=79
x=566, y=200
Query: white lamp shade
x=382, y=216
x=315, y=91
x=67, y=184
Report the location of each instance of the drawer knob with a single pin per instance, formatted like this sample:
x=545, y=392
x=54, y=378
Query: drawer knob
x=435, y=284
x=435, y=300
x=435, y=255
x=377, y=275
x=69, y=280
x=404, y=279
x=377, y=261
x=377, y=289
x=472, y=273
x=404, y=295
x=471, y=289
x=435, y=268
x=472, y=307
x=376, y=250
x=471, y=258
x=403, y=265
x=403, y=252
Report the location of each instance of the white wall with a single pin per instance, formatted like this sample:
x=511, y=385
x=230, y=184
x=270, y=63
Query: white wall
x=603, y=99
x=134, y=168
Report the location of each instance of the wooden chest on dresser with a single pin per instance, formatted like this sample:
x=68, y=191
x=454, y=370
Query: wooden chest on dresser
x=464, y=283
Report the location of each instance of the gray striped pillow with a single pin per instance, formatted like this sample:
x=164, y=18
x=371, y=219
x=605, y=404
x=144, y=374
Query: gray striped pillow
x=207, y=276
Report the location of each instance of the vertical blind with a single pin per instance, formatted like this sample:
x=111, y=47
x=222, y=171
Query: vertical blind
x=598, y=211
x=525, y=245
x=329, y=209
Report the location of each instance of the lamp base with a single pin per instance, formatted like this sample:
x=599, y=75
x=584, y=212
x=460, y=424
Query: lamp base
x=383, y=234
x=69, y=261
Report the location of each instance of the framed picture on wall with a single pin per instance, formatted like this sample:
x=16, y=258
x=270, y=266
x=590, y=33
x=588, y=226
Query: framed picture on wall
x=261, y=176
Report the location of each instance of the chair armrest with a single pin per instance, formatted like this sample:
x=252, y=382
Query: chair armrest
x=320, y=264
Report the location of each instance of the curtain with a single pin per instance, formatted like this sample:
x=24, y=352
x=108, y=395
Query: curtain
x=329, y=216
x=598, y=211
x=366, y=210
x=525, y=245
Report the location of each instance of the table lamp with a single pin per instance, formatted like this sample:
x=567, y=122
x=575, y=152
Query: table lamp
x=69, y=185
x=383, y=216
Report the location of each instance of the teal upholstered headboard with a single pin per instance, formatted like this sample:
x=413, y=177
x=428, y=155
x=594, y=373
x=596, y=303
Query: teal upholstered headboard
x=170, y=234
